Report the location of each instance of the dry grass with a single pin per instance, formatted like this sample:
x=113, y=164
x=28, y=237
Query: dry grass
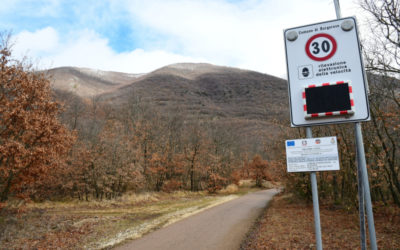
x=95, y=224
x=230, y=189
x=289, y=224
x=246, y=183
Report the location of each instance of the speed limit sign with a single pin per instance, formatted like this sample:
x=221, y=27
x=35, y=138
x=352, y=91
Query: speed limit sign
x=321, y=47
x=326, y=75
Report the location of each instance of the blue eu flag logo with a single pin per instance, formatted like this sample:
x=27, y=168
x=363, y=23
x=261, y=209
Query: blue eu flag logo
x=290, y=143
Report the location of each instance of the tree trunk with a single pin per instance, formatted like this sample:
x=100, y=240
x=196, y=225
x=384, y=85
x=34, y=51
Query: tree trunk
x=6, y=190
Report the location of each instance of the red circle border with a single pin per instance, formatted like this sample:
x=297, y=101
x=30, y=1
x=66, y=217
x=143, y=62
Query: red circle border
x=334, y=44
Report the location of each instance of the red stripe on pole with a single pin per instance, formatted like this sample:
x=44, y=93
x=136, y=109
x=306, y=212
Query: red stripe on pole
x=305, y=107
x=340, y=82
x=304, y=95
x=344, y=112
x=352, y=102
x=328, y=113
x=314, y=115
x=325, y=84
x=311, y=86
x=350, y=89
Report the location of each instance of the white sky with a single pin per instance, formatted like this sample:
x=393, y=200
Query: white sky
x=244, y=33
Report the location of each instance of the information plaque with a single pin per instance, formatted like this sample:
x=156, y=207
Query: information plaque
x=314, y=154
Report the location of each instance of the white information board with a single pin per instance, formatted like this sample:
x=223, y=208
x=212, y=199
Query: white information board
x=314, y=154
x=322, y=53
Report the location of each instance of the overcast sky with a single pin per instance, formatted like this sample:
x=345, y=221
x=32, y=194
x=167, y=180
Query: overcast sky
x=138, y=36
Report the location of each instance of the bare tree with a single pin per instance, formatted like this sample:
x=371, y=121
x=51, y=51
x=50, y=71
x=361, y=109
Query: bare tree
x=383, y=61
x=383, y=53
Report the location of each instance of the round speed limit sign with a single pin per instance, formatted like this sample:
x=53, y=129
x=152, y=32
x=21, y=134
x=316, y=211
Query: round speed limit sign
x=321, y=47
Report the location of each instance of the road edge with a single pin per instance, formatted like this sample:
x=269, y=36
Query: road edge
x=252, y=230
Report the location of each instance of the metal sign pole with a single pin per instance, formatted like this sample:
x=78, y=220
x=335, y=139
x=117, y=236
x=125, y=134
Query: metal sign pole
x=364, y=176
x=314, y=190
x=362, y=166
x=361, y=206
x=337, y=9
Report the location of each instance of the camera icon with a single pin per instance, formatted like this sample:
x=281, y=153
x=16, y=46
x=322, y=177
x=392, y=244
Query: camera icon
x=305, y=72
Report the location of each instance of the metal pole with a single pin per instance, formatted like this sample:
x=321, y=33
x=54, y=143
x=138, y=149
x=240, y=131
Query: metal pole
x=362, y=171
x=367, y=194
x=337, y=8
x=314, y=190
x=361, y=206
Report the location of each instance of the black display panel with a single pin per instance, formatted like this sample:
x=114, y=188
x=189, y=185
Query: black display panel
x=328, y=98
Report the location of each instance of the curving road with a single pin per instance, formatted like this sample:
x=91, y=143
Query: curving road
x=220, y=227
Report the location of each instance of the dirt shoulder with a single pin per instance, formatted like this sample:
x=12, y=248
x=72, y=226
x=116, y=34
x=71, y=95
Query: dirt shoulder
x=287, y=224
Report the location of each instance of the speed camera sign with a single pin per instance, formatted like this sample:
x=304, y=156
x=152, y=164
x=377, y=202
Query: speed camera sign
x=320, y=57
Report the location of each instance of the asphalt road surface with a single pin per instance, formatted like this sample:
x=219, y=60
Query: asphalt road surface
x=221, y=227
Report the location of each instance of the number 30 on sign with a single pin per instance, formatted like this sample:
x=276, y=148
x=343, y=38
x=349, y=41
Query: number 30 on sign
x=321, y=47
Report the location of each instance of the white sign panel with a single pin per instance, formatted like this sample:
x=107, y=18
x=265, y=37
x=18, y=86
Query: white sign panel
x=314, y=154
x=323, y=53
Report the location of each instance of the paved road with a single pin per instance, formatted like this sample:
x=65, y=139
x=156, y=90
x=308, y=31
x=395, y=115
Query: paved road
x=221, y=227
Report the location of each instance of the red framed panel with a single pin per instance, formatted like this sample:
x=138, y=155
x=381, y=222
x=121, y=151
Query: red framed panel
x=347, y=112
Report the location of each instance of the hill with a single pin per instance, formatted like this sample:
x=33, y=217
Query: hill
x=245, y=100
x=88, y=82
x=209, y=90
